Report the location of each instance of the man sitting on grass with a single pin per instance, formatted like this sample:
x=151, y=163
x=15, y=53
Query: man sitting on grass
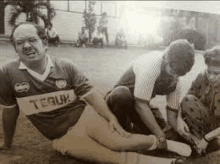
x=53, y=94
x=98, y=37
x=53, y=37
x=120, y=40
x=82, y=37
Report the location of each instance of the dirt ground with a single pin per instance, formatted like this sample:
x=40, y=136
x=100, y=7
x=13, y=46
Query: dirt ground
x=103, y=67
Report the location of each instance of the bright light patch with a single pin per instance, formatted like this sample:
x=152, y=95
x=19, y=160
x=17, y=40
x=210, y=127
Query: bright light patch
x=144, y=23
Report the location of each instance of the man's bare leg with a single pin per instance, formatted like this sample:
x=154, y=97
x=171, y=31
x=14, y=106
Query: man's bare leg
x=101, y=132
x=86, y=149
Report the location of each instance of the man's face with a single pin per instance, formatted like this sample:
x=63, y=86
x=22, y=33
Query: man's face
x=170, y=71
x=28, y=45
x=213, y=73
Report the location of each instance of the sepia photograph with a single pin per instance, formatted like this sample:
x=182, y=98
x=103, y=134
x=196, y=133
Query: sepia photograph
x=109, y=82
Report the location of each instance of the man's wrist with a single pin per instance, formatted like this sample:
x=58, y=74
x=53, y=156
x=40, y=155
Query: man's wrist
x=161, y=135
x=161, y=143
x=161, y=139
x=205, y=139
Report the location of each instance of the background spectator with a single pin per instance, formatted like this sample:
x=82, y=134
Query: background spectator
x=82, y=37
x=120, y=40
x=98, y=37
x=53, y=37
x=103, y=25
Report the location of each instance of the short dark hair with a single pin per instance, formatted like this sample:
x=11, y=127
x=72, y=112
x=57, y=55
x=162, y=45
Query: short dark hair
x=181, y=56
x=212, y=56
x=40, y=31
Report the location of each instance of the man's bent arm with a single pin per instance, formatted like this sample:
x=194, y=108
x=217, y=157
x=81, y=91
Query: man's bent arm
x=172, y=118
x=213, y=134
x=147, y=117
x=98, y=103
x=9, y=120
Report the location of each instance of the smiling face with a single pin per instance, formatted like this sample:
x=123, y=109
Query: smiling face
x=28, y=45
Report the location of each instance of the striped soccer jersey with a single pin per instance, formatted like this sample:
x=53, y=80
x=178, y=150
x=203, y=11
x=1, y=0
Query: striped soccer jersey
x=53, y=104
x=146, y=78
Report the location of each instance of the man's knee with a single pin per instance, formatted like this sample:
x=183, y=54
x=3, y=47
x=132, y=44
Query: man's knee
x=122, y=95
x=188, y=101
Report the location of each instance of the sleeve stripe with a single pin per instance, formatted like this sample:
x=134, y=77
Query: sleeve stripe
x=86, y=94
x=8, y=107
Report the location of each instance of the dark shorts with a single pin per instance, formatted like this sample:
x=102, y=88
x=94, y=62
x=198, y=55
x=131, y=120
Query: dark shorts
x=54, y=40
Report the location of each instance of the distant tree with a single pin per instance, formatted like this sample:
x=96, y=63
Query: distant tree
x=33, y=10
x=90, y=19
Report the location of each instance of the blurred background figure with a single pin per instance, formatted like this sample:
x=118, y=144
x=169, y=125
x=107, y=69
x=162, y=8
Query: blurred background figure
x=98, y=37
x=82, y=37
x=103, y=25
x=120, y=40
x=53, y=37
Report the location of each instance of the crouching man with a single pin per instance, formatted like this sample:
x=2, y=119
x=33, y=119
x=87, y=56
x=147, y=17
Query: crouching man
x=200, y=107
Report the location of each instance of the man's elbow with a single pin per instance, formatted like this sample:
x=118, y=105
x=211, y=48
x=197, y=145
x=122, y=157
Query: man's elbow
x=10, y=113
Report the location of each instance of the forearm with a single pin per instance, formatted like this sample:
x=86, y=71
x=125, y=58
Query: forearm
x=9, y=119
x=148, y=118
x=98, y=103
x=172, y=117
x=213, y=134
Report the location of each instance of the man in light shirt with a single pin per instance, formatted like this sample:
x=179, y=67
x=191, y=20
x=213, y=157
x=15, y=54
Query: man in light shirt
x=82, y=37
x=52, y=35
x=98, y=37
x=148, y=76
x=120, y=40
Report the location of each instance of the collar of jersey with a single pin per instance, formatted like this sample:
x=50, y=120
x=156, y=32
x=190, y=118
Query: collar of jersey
x=35, y=74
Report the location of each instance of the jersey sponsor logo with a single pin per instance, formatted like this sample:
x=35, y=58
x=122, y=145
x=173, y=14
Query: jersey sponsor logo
x=22, y=87
x=46, y=102
x=61, y=83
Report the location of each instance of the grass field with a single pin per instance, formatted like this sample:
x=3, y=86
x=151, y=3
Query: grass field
x=103, y=67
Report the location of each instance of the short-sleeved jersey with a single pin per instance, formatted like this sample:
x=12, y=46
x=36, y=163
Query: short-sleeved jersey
x=54, y=104
x=146, y=79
